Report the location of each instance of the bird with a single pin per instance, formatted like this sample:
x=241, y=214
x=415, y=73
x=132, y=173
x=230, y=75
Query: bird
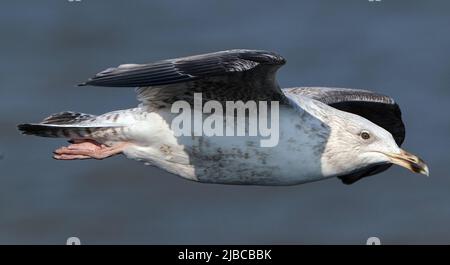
x=324, y=132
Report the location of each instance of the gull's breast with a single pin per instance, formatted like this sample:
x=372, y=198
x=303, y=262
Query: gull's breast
x=231, y=159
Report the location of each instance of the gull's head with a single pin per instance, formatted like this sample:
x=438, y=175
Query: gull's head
x=355, y=143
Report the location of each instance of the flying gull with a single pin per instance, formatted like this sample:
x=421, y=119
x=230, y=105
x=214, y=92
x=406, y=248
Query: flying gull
x=323, y=132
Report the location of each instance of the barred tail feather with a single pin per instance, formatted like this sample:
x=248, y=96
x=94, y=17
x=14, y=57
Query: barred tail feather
x=71, y=125
x=49, y=130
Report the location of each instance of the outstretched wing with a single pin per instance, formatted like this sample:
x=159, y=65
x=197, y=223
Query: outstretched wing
x=226, y=75
x=379, y=109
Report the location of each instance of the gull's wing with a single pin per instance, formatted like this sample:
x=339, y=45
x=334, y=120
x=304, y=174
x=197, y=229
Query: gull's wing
x=379, y=109
x=226, y=75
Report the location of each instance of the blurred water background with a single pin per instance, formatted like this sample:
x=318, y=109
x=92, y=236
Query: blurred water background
x=400, y=48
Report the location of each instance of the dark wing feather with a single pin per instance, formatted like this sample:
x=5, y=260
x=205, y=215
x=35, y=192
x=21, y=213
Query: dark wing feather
x=379, y=109
x=239, y=72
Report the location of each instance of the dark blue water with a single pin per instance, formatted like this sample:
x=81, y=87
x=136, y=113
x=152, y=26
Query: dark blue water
x=400, y=48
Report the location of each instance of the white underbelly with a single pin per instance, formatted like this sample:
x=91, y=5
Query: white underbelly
x=231, y=159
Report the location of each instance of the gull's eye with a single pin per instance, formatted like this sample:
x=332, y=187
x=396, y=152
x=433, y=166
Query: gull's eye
x=365, y=135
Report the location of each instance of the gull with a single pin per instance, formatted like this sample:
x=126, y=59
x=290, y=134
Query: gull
x=323, y=132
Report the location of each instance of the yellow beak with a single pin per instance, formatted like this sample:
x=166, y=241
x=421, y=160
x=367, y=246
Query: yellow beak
x=409, y=161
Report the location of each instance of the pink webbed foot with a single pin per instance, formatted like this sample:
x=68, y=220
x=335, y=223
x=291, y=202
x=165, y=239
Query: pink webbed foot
x=86, y=149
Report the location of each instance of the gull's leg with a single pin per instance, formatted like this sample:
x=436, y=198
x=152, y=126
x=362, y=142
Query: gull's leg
x=85, y=149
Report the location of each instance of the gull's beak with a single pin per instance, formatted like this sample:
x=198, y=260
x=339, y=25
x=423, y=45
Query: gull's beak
x=409, y=161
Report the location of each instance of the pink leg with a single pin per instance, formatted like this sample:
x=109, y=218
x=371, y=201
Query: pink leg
x=85, y=149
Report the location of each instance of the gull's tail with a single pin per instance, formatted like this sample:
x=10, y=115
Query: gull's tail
x=67, y=124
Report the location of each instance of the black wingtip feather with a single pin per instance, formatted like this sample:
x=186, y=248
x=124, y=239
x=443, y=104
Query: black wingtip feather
x=185, y=69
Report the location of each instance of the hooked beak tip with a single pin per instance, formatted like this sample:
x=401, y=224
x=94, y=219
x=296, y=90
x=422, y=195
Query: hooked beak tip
x=410, y=161
x=425, y=171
